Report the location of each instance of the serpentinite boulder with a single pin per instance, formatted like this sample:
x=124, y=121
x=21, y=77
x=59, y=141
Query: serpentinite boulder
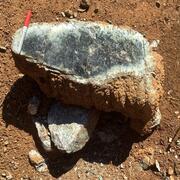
x=93, y=64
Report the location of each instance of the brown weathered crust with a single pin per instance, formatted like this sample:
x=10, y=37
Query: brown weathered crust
x=126, y=94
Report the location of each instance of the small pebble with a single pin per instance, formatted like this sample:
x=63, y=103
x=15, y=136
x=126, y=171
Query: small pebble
x=81, y=10
x=170, y=171
x=158, y=4
x=157, y=165
x=2, y=49
x=7, y=175
x=75, y=14
x=96, y=10
x=63, y=14
x=176, y=112
x=85, y=4
x=33, y=105
x=178, y=142
x=122, y=166
x=101, y=164
x=68, y=13
x=6, y=143
x=154, y=43
x=170, y=140
x=177, y=168
x=3, y=174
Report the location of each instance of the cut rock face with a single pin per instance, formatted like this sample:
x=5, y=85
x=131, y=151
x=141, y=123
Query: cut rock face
x=97, y=65
x=68, y=128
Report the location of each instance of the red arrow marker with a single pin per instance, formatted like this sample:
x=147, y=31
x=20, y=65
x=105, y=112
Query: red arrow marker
x=24, y=30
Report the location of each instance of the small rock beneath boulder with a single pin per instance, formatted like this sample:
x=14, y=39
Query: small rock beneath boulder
x=33, y=105
x=71, y=126
x=38, y=161
x=43, y=134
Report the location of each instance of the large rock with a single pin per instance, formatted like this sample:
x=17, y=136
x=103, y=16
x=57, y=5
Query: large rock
x=68, y=128
x=93, y=64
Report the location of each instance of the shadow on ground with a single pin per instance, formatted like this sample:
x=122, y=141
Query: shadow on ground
x=111, y=141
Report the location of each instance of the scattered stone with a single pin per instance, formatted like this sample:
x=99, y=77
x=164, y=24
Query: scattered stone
x=171, y=178
x=176, y=112
x=2, y=49
x=158, y=4
x=38, y=161
x=147, y=162
x=85, y=4
x=109, y=21
x=7, y=175
x=154, y=43
x=43, y=134
x=75, y=14
x=70, y=126
x=20, y=75
x=33, y=105
x=170, y=140
x=5, y=149
x=68, y=13
x=170, y=171
x=107, y=79
x=100, y=177
x=157, y=166
x=6, y=143
x=81, y=10
x=178, y=142
x=96, y=10
x=63, y=14
x=122, y=166
x=177, y=168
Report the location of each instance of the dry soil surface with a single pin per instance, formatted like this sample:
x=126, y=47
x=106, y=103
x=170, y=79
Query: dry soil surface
x=114, y=151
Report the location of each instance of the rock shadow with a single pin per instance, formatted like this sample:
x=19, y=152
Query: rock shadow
x=111, y=141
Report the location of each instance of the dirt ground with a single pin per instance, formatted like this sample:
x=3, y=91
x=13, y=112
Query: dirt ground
x=114, y=151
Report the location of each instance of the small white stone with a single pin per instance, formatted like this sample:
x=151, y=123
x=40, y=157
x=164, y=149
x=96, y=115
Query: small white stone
x=170, y=140
x=157, y=165
x=178, y=142
x=155, y=43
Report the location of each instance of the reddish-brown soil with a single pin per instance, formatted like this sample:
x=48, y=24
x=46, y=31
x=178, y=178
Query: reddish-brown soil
x=118, y=154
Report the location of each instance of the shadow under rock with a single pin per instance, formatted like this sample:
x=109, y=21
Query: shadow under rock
x=111, y=141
